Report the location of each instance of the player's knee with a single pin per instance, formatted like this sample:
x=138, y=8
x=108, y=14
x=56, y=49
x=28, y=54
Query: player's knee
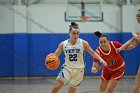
x=55, y=89
x=137, y=86
x=102, y=90
x=110, y=90
x=58, y=85
x=72, y=89
x=75, y=85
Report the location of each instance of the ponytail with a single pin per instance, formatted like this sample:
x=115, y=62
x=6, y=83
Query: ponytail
x=99, y=34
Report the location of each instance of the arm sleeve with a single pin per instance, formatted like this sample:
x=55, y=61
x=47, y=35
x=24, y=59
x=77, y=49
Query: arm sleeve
x=117, y=44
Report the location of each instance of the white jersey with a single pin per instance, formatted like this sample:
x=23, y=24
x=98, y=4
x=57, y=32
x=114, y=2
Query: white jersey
x=74, y=54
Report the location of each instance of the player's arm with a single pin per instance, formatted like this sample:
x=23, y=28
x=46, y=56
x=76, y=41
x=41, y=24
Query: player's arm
x=130, y=44
x=92, y=52
x=59, y=49
x=136, y=35
x=95, y=65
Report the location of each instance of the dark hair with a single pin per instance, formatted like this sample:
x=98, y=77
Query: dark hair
x=138, y=15
x=99, y=34
x=73, y=25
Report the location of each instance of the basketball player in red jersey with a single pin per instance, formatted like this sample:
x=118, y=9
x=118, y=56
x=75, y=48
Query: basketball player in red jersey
x=116, y=66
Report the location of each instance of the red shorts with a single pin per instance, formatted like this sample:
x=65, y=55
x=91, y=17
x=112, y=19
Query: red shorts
x=117, y=74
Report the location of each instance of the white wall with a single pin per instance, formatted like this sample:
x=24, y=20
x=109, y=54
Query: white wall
x=44, y=18
x=52, y=17
x=6, y=20
x=20, y=19
x=129, y=18
x=12, y=19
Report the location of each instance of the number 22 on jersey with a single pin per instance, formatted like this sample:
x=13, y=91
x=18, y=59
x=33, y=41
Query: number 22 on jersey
x=72, y=57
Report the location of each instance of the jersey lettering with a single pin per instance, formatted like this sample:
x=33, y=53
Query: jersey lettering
x=73, y=51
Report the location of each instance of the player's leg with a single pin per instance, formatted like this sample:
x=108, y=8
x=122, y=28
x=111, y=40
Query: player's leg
x=57, y=86
x=136, y=87
x=76, y=80
x=63, y=77
x=105, y=78
x=116, y=78
x=72, y=89
x=112, y=85
x=103, y=85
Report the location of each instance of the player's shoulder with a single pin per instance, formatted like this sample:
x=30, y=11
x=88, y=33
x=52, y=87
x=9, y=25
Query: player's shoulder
x=98, y=49
x=114, y=42
x=80, y=39
x=84, y=41
x=64, y=42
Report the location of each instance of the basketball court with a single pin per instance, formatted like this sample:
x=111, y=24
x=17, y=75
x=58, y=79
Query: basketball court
x=27, y=35
x=43, y=85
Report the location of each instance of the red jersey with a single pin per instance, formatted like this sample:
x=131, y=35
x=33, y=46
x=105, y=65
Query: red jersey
x=113, y=59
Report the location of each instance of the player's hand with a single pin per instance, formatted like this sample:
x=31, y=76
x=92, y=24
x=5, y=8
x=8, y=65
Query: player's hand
x=118, y=50
x=50, y=54
x=95, y=69
x=104, y=63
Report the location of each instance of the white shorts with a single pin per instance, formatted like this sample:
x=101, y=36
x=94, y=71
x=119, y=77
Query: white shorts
x=72, y=75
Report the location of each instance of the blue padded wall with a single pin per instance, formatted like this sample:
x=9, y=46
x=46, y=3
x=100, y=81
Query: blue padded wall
x=24, y=54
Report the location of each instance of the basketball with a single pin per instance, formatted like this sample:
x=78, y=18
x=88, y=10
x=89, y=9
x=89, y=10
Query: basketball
x=52, y=62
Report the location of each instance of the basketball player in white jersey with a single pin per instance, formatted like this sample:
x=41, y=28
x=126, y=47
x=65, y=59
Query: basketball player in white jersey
x=73, y=68
x=133, y=42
